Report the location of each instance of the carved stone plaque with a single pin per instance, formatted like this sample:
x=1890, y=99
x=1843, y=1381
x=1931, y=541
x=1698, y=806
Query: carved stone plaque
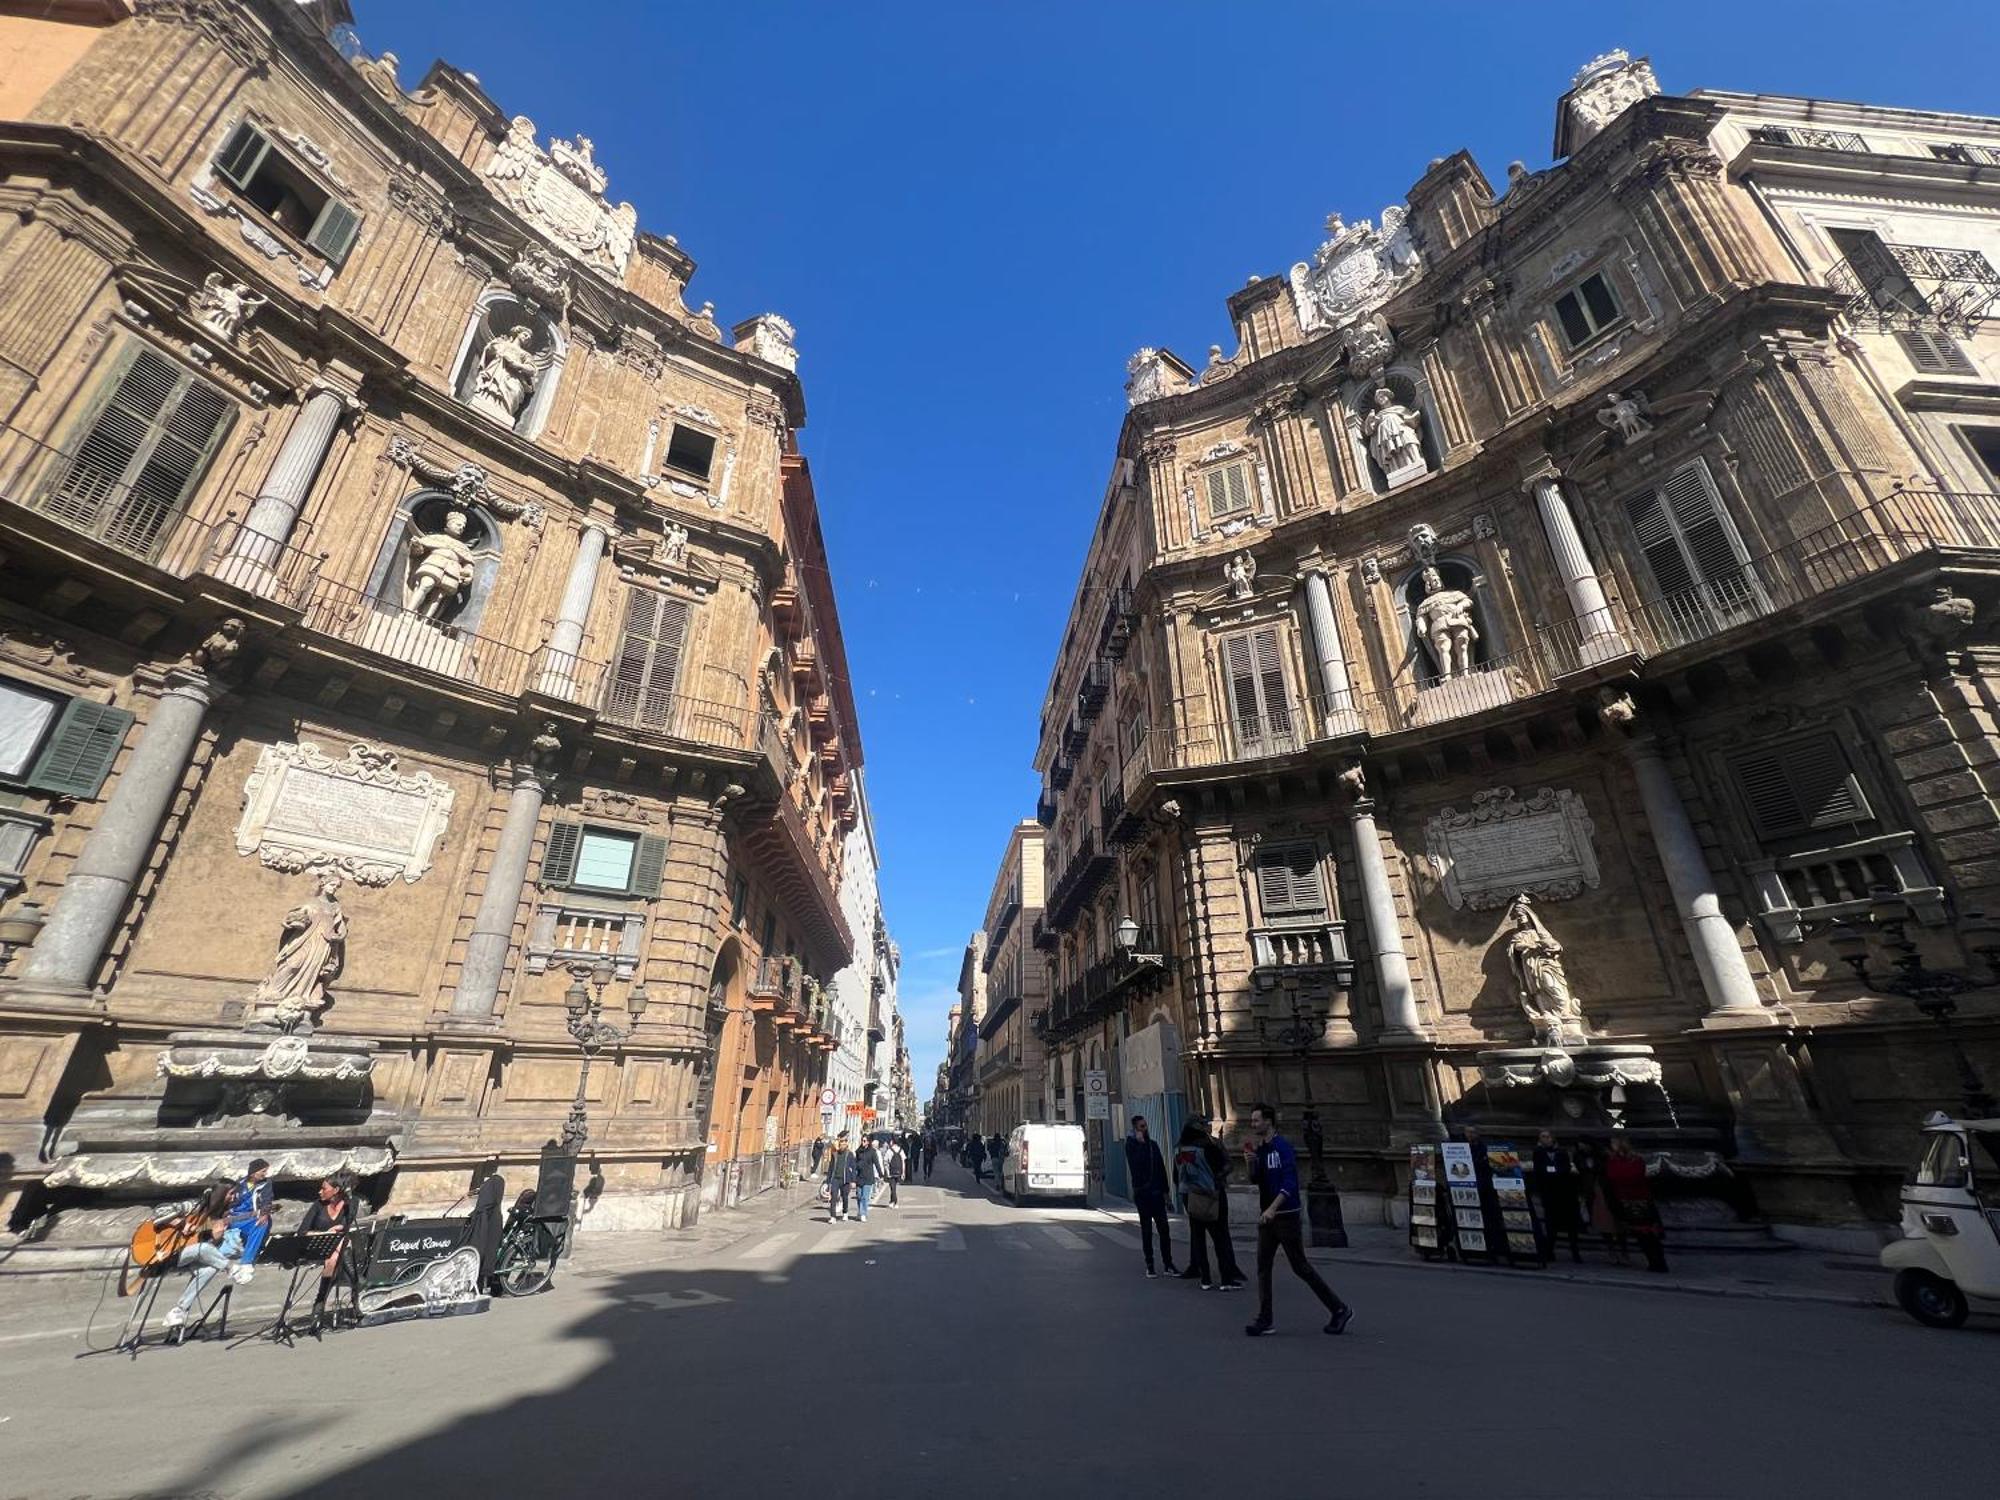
x=1504, y=845
x=303, y=811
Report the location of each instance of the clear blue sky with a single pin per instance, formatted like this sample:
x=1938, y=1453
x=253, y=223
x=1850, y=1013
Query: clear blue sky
x=975, y=212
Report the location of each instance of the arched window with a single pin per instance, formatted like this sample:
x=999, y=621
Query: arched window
x=509, y=363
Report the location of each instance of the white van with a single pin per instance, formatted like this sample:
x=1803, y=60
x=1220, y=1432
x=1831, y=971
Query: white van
x=1044, y=1161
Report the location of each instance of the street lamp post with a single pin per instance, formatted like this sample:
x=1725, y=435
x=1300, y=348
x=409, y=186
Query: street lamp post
x=584, y=1001
x=1323, y=1212
x=1935, y=992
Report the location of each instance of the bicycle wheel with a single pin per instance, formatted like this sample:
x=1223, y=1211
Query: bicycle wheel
x=525, y=1263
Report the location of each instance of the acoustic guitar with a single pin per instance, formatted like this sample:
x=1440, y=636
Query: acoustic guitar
x=156, y=1244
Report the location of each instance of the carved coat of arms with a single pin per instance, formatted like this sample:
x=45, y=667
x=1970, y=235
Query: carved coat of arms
x=561, y=192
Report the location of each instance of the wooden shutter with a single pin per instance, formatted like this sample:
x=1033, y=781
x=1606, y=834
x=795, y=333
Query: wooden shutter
x=559, y=858
x=1800, y=787
x=1289, y=885
x=1706, y=537
x=647, y=670
x=1935, y=353
x=1254, y=675
x=333, y=232
x=145, y=450
x=1239, y=665
x=1228, y=489
x=242, y=154
x=1271, y=682
x=648, y=865
x=80, y=749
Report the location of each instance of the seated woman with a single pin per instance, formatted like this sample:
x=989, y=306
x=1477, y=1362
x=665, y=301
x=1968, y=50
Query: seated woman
x=219, y=1248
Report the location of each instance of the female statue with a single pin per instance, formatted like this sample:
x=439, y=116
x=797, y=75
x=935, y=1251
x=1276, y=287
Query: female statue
x=508, y=369
x=1543, y=987
x=311, y=954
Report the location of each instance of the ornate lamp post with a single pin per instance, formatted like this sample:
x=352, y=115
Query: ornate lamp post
x=1935, y=992
x=1323, y=1211
x=584, y=1000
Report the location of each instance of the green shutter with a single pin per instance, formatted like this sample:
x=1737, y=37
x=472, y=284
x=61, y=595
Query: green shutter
x=559, y=858
x=242, y=154
x=79, y=753
x=649, y=866
x=333, y=232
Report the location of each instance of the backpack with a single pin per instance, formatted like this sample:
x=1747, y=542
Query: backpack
x=1197, y=1184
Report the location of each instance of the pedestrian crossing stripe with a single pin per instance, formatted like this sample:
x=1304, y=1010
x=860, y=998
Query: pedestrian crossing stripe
x=1065, y=1238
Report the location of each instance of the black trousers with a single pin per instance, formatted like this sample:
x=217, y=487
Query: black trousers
x=1214, y=1232
x=1153, y=1211
x=1284, y=1233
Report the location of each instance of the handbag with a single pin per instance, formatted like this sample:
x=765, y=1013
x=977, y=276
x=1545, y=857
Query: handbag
x=1201, y=1206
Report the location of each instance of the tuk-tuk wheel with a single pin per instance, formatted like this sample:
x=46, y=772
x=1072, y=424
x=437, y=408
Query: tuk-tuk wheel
x=1931, y=1300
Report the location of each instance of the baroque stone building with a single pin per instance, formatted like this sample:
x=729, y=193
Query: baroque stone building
x=1012, y=1071
x=1619, y=536
x=412, y=602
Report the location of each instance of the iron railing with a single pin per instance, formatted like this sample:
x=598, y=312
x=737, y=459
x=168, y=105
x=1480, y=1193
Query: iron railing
x=345, y=613
x=1916, y=287
x=700, y=721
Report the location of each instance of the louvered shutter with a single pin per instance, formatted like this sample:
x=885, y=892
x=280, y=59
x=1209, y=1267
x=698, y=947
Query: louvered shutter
x=559, y=858
x=1289, y=887
x=648, y=866
x=80, y=750
x=93, y=478
x=182, y=446
x=1711, y=547
x=1228, y=490
x=1239, y=665
x=1271, y=682
x=1800, y=787
x=333, y=232
x=1934, y=353
x=648, y=666
x=242, y=154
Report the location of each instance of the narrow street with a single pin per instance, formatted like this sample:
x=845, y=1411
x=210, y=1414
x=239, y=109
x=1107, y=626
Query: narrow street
x=956, y=1345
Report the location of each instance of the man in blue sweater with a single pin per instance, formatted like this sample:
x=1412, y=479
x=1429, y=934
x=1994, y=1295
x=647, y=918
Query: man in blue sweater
x=1274, y=1167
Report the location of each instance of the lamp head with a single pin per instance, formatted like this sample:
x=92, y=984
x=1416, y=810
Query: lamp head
x=1127, y=936
x=637, y=1000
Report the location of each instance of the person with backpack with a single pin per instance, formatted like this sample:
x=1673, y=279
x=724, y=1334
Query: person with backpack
x=893, y=1167
x=867, y=1173
x=1201, y=1173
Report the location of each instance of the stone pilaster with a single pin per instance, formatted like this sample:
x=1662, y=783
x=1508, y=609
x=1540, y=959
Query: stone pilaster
x=1337, y=711
x=283, y=494
x=492, y=937
x=566, y=635
x=1598, y=633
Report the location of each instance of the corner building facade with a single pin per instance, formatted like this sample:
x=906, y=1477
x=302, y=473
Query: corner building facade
x=1622, y=537
x=373, y=505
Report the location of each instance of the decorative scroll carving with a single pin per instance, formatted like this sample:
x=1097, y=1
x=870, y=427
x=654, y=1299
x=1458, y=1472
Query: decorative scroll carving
x=359, y=816
x=561, y=192
x=467, y=483
x=1504, y=846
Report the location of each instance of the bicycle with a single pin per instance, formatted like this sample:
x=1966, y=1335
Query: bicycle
x=530, y=1246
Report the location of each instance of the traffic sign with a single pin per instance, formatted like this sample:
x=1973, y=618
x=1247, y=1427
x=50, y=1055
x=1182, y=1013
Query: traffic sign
x=827, y=1099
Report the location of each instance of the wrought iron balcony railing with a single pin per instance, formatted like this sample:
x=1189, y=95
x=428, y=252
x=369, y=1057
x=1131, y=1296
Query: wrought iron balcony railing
x=1915, y=287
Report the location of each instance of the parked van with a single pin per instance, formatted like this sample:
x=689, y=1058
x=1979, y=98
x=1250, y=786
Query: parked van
x=1044, y=1161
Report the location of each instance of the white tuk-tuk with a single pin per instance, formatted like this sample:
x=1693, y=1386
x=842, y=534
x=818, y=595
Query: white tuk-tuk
x=1949, y=1255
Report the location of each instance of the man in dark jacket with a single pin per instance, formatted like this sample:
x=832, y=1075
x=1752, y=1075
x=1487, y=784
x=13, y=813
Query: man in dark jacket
x=867, y=1172
x=975, y=1156
x=1146, y=1169
x=839, y=1177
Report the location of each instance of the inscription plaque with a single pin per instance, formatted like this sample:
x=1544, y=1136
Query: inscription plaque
x=1504, y=845
x=303, y=810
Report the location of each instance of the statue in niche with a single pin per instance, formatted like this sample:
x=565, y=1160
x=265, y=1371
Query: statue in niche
x=1241, y=571
x=221, y=305
x=1444, y=619
x=674, y=546
x=1539, y=980
x=442, y=564
x=315, y=945
x=509, y=368
x=1391, y=430
x=1626, y=415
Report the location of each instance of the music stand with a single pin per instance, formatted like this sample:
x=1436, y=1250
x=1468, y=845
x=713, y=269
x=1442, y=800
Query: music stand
x=297, y=1253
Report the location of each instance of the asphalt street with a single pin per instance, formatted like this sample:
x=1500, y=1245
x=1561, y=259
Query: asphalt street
x=959, y=1346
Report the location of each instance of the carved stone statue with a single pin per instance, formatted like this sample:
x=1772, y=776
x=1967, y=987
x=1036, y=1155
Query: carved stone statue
x=1444, y=619
x=442, y=565
x=314, y=947
x=674, y=546
x=509, y=368
x=1615, y=708
x=1354, y=782
x=1539, y=979
x=1241, y=571
x=1391, y=430
x=221, y=305
x=1626, y=415
x=217, y=653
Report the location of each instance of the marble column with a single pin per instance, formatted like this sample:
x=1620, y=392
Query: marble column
x=99, y=886
x=1598, y=631
x=1400, y=1021
x=559, y=657
x=275, y=512
x=1337, y=711
x=1725, y=974
x=493, y=925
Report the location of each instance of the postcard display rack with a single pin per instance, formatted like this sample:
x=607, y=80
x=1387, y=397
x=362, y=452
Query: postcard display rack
x=1490, y=1219
x=1430, y=1221
x=1518, y=1238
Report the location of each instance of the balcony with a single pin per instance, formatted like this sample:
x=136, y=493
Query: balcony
x=1800, y=891
x=1894, y=288
x=1306, y=953
x=1062, y=773
x=1115, y=634
x=1045, y=808
x=1003, y=922
x=696, y=721
x=788, y=612
x=1798, y=135
x=805, y=669
x=1045, y=939
x=774, y=985
x=1088, y=868
x=344, y=613
x=1075, y=736
x=1092, y=691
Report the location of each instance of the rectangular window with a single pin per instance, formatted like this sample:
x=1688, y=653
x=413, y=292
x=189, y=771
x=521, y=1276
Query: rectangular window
x=1801, y=786
x=1697, y=560
x=767, y=940
x=26, y=716
x=1588, y=310
x=1985, y=443
x=143, y=451
x=606, y=860
x=1290, y=890
x=1933, y=353
x=691, y=452
x=739, y=902
x=648, y=665
x=287, y=194
x=1228, y=490
x=1259, y=704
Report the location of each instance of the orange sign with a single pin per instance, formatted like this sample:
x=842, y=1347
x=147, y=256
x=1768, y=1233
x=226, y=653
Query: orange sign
x=867, y=1114
x=854, y=1108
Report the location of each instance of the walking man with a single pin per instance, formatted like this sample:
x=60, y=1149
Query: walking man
x=894, y=1168
x=975, y=1154
x=930, y=1155
x=1275, y=1169
x=839, y=1173
x=867, y=1172
x=1146, y=1169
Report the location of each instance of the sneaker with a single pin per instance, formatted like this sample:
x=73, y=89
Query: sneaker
x=1258, y=1330
x=1172, y=1272
x=1228, y=1286
x=864, y=1219
x=1151, y=1274
x=1208, y=1286
x=1339, y=1321
x=176, y=1315
x=241, y=1275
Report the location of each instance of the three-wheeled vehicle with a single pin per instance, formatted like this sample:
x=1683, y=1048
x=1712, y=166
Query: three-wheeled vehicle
x=1949, y=1255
